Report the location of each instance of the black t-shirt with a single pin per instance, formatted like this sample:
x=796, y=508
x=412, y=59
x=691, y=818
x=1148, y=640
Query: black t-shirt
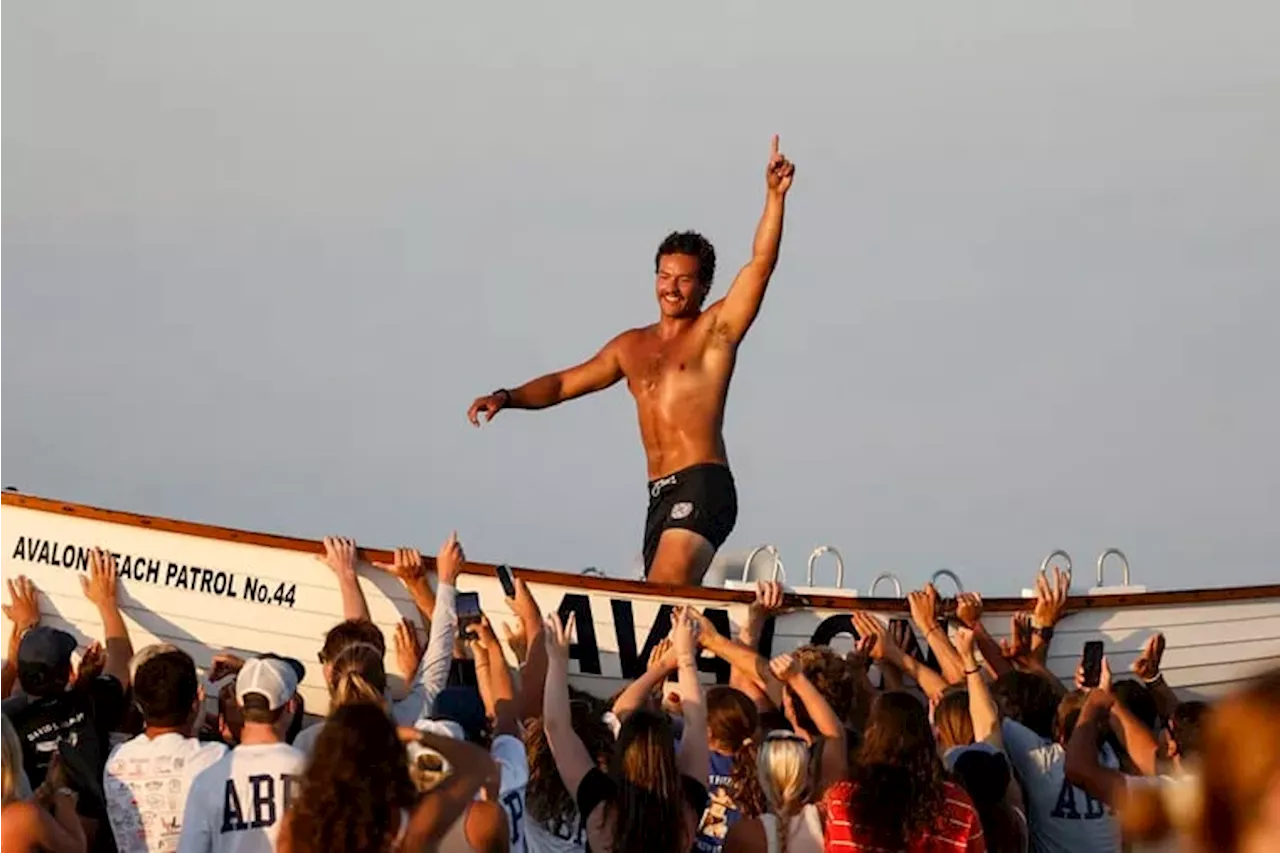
x=81, y=719
x=596, y=788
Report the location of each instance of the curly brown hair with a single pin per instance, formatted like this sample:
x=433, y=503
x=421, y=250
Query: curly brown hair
x=898, y=790
x=837, y=680
x=355, y=785
x=546, y=798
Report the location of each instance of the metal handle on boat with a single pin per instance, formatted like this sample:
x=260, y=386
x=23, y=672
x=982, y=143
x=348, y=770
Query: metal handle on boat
x=778, y=568
x=1044, y=564
x=827, y=549
x=886, y=576
x=947, y=573
x=1124, y=562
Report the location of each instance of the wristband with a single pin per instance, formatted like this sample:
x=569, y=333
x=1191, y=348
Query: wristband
x=1159, y=676
x=686, y=660
x=973, y=671
x=505, y=392
x=1045, y=633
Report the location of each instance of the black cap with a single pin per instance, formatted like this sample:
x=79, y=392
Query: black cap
x=46, y=646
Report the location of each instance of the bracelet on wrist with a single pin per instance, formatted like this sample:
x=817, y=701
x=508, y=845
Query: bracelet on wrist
x=686, y=660
x=1045, y=633
x=974, y=671
x=504, y=392
x=1159, y=676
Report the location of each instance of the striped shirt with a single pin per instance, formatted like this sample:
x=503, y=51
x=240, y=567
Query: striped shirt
x=957, y=830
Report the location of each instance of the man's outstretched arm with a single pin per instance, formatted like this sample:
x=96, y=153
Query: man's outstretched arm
x=741, y=304
x=597, y=373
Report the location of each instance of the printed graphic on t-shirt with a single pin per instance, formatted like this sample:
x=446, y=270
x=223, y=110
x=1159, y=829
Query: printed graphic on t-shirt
x=721, y=812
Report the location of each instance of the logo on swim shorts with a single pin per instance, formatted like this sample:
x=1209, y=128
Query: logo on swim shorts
x=681, y=510
x=657, y=486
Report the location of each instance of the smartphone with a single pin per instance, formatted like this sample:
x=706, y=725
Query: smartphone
x=467, y=606
x=508, y=582
x=1092, y=663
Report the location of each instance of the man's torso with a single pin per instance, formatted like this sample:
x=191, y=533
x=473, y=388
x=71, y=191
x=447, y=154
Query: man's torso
x=680, y=386
x=242, y=798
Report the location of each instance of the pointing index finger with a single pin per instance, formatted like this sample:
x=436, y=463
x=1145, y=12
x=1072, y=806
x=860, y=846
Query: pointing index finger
x=774, y=149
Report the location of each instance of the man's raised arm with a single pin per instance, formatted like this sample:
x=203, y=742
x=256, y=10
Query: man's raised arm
x=738, y=309
x=597, y=373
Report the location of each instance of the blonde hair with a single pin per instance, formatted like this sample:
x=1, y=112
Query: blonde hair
x=357, y=674
x=784, y=768
x=12, y=762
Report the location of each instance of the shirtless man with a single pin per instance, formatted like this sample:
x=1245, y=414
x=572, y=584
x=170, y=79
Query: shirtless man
x=678, y=370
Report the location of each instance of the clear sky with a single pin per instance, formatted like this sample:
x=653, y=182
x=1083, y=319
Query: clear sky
x=259, y=258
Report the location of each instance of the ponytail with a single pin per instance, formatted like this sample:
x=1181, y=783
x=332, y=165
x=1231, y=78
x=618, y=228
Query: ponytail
x=357, y=675
x=744, y=785
x=784, y=769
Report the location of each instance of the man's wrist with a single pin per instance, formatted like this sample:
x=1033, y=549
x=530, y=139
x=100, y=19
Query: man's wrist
x=1044, y=632
x=506, y=394
x=1155, y=679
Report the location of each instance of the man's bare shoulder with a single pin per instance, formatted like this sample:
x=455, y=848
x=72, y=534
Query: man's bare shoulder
x=629, y=339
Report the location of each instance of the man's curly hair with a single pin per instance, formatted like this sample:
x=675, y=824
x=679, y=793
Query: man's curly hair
x=836, y=679
x=355, y=784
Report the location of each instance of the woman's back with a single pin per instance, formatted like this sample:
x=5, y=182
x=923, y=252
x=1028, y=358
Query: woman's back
x=956, y=827
x=804, y=832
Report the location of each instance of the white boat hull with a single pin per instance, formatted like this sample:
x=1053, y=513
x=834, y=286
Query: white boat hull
x=208, y=589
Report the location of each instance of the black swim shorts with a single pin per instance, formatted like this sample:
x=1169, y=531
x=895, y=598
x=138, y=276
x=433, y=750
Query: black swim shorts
x=701, y=498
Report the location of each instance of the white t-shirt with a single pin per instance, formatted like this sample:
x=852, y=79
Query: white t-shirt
x=237, y=804
x=1062, y=817
x=145, y=784
x=569, y=836
x=513, y=762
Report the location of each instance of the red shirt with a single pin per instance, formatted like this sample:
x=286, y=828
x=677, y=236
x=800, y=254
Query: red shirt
x=958, y=829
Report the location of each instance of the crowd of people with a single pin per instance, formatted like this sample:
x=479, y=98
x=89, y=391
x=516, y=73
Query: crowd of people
x=962, y=744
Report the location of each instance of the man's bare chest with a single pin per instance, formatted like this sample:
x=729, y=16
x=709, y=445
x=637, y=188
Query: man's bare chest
x=659, y=368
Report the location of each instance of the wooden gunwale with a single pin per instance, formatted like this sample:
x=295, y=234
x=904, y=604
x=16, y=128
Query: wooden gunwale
x=625, y=587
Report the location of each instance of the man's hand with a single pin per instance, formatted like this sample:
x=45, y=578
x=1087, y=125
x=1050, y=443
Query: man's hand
x=524, y=606
x=407, y=564
x=1147, y=666
x=1097, y=706
x=340, y=556
x=969, y=609
x=223, y=665
x=518, y=639
x=23, y=609
x=768, y=601
x=924, y=608
x=1104, y=680
x=409, y=648
x=779, y=172
x=450, y=560
x=707, y=633
x=489, y=404
x=100, y=586
x=1051, y=600
x=869, y=626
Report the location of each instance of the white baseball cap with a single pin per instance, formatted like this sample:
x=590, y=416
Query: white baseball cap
x=271, y=678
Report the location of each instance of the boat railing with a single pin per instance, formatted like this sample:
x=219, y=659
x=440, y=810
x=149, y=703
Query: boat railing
x=886, y=576
x=952, y=576
x=813, y=561
x=778, y=568
x=1124, y=564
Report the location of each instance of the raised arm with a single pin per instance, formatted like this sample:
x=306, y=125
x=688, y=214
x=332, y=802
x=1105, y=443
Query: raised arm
x=887, y=649
x=738, y=310
x=694, y=759
x=835, y=757
x=340, y=556
x=573, y=762
x=100, y=588
x=595, y=374
x=926, y=604
x=983, y=711
x=23, y=613
x=435, y=814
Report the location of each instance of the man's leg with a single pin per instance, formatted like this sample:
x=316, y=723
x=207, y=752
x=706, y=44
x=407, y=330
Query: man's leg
x=682, y=558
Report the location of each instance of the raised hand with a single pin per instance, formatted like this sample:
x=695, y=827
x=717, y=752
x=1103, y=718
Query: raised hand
x=92, y=663
x=924, y=608
x=860, y=657
x=780, y=171
x=517, y=639
x=450, y=560
x=340, y=556
x=1051, y=599
x=707, y=633
x=23, y=609
x=1104, y=680
x=869, y=626
x=964, y=639
x=969, y=609
x=785, y=668
x=100, y=585
x=684, y=632
x=1018, y=643
x=663, y=656
x=489, y=405
x=768, y=600
x=406, y=564
x=224, y=664
x=1147, y=666
x=408, y=647
x=559, y=636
